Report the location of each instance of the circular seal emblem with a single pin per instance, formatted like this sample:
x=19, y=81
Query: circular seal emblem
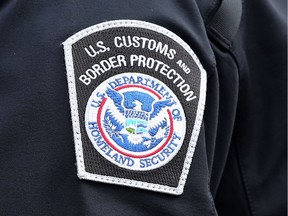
x=135, y=121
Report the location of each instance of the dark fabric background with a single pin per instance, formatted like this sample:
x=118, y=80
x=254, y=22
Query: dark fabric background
x=257, y=163
x=240, y=158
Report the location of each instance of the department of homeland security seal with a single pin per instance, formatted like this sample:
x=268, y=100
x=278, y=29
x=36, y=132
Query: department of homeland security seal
x=135, y=121
x=137, y=95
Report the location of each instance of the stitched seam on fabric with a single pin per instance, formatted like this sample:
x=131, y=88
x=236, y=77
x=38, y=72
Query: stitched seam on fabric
x=213, y=207
x=210, y=194
x=212, y=203
x=245, y=183
x=242, y=173
x=82, y=174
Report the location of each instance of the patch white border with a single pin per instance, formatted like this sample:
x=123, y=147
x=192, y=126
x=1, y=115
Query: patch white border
x=82, y=174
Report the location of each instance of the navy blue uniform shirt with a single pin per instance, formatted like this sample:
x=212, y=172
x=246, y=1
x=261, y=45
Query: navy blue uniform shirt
x=239, y=164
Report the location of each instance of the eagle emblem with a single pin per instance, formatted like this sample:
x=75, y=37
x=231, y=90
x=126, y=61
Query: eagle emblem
x=135, y=120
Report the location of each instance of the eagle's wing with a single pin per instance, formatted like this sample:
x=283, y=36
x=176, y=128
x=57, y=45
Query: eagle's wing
x=157, y=117
x=116, y=111
x=158, y=106
x=117, y=99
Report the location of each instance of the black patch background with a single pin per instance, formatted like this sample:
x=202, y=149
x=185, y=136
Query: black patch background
x=168, y=174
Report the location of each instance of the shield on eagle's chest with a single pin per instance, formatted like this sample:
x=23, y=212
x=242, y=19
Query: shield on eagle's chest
x=136, y=125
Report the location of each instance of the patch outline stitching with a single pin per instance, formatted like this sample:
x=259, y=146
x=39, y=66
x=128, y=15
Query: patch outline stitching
x=81, y=173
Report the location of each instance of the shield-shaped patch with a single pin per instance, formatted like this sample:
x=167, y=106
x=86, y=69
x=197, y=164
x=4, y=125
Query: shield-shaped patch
x=137, y=95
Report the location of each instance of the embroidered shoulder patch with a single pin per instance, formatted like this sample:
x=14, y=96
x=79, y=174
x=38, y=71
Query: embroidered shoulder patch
x=137, y=95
